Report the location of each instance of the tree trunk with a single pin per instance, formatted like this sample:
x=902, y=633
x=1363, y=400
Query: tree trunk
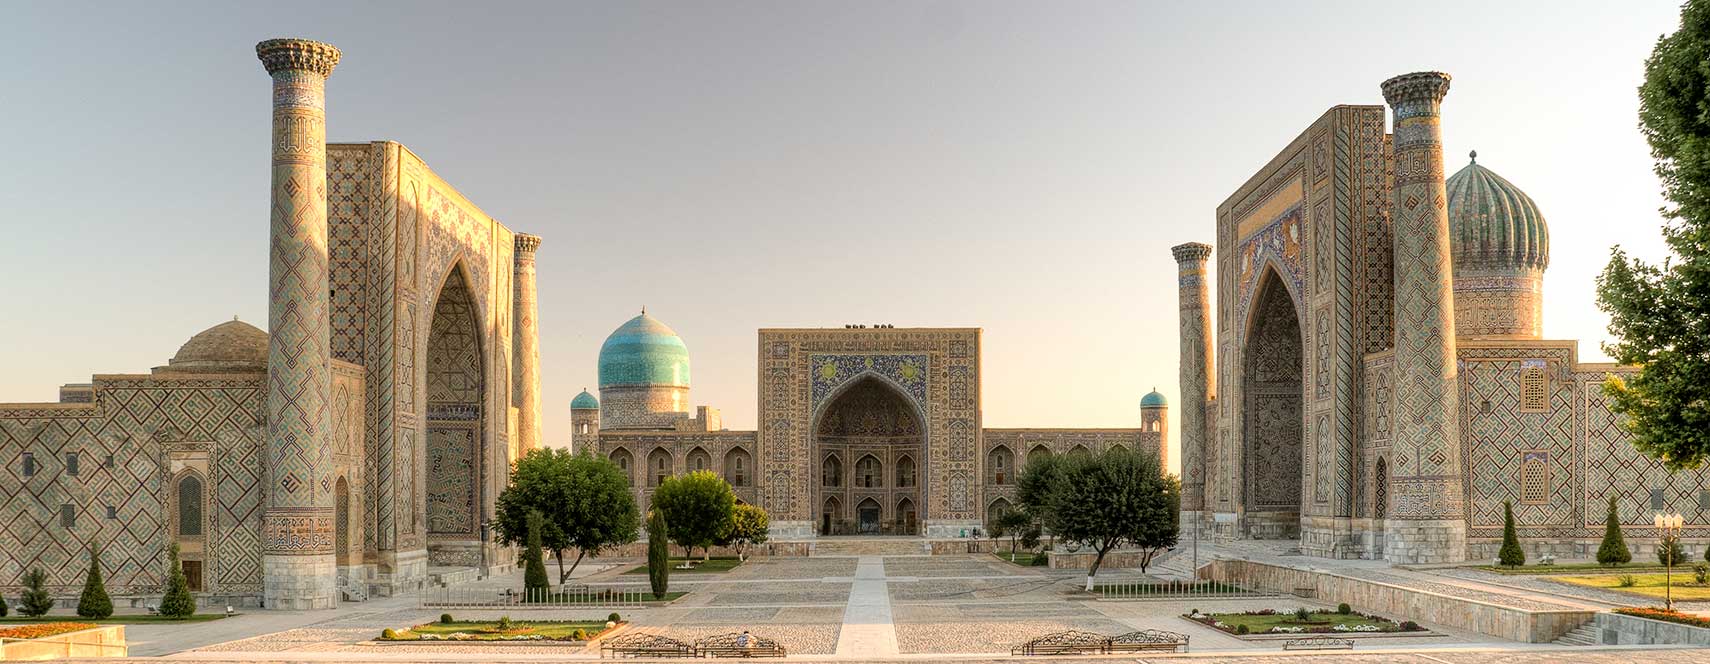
x=1093, y=571
x=562, y=575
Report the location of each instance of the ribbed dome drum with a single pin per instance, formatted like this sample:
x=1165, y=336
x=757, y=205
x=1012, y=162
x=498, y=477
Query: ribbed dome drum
x=1501, y=247
x=644, y=376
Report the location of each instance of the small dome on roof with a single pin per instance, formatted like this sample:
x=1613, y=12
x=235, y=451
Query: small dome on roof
x=1493, y=225
x=584, y=401
x=232, y=346
x=1153, y=399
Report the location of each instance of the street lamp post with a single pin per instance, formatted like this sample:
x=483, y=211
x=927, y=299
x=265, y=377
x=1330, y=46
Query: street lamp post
x=1669, y=527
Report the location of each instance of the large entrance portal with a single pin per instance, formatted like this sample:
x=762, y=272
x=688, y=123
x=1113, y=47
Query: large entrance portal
x=455, y=394
x=1273, y=430
x=868, y=443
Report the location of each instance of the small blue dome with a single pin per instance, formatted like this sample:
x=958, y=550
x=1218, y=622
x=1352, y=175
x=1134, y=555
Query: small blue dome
x=584, y=401
x=644, y=353
x=1153, y=400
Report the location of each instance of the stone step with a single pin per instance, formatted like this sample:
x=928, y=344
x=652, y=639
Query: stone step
x=836, y=546
x=1584, y=635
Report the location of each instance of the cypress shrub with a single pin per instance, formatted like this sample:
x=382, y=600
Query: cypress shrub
x=1668, y=545
x=1613, y=551
x=4, y=609
x=36, y=601
x=177, y=603
x=94, y=603
x=1511, y=554
x=658, y=554
x=536, y=584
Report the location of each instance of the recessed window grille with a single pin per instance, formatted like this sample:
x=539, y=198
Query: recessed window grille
x=1534, y=388
x=1656, y=499
x=68, y=516
x=1535, y=478
x=29, y=464
x=71, y=463
x=112, y=512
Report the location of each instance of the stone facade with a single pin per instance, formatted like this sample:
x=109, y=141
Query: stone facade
x=365, y=435
x=1351, y=413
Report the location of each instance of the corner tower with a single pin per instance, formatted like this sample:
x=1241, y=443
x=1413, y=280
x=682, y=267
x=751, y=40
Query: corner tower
x=1155, y=425
x=1195, y=370
x=584, y=422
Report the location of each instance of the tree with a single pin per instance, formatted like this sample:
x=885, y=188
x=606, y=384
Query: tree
x=1034, y=485
x=1109, y=500
x=94, y=603
x=535, y=582
x=4, y=608
x=749, y=525
x=1669, y=551
x=1011, y=523
x=1613, y=550
x=658, y=553
x=1511, y=554
x=698, y=507
x=585, y=501
x=36, y=601
x=1659, y=315
x=177, y=603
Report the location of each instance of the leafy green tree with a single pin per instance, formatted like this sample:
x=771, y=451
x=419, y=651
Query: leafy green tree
x=585, y=501
x=1011, y=523
x=94, y=603
x=698, y=506
x=535, y=582
x=177, y=603
x=1034, y=485
x=36, y=601
x=1669, y=551
x=749, y=526
x=1112, y=499
x=1613, y=550
x=658, y=553
x=1511, y=554
x=1659, y=315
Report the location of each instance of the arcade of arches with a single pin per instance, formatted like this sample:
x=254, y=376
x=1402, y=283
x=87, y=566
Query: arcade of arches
x=871, y=423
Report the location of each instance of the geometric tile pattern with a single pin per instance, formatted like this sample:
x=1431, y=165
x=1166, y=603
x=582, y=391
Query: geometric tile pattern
x=1194, y=368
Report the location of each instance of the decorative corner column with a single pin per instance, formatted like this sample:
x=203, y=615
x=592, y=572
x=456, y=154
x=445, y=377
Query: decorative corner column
x=1426, y=520
x=298, y=567
x=525, y=369
x=1195, y=372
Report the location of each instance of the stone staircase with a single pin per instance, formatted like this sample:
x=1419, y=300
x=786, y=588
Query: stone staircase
x=1584, y=635
x=834, y=546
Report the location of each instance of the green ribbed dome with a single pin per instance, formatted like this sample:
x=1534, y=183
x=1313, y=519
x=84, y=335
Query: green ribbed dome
x=584, y=401
x=644, y=352
x=1153, y=400
x=1492, y=224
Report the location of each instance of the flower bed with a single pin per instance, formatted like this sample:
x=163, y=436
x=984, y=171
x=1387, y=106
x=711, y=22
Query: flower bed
x=44, y=629
x=1272, y=621
x=573, y=631
x=1665, y=616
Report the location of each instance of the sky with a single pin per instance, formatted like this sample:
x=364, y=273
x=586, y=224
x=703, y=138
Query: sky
x=1014, y=166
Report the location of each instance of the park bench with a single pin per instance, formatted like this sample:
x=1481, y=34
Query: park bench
x=1148, y=640
x=1072, y=642
x=641, y=644
x=729, y=645
x=1319, y=643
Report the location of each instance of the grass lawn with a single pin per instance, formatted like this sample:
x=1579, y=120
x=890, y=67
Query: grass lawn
x=1022, y=558
x=1649, y=585
x=716, y=565
x=1583, y=568
x=487, y=630
x=1317, y=622
x=117, y=619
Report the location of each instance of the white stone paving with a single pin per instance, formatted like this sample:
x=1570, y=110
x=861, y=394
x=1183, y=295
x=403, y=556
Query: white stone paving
x=868, y=628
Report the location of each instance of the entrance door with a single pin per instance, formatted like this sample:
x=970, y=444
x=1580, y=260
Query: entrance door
x=869, y=518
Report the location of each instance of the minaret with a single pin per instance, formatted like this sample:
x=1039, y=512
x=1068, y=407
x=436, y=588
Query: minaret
x=1426, y=522
x=525, y=371
x=1195, y=368
x=298, y=567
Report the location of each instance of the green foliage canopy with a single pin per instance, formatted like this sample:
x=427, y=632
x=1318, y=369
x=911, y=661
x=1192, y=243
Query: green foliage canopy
x=698, y=506
x=584, y=499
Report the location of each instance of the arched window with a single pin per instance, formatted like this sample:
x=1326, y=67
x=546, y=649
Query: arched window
x=1535, y=478
x=699, y=460
x=1038, y=452
x=1080, y=449
x=1000, y=463
x=905, y=516
x=905, y=471
x=736, y=463
x=621, y=457
x=658, y=466
x=996, y=509
x=1118, y=448
x=831, y=471
x=189, y=506
x=869, y=473
x=584, y=428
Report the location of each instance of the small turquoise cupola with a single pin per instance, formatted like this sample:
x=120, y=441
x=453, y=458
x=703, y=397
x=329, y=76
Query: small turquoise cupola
x=1153, y=399
x=644, y=353
x=584, y=401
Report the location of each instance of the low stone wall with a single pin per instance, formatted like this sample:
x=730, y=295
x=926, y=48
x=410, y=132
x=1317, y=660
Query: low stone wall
x=102, y=641
x=1400, y=602
x=1615, y=629
x=1083, y=559
x=1584, y=548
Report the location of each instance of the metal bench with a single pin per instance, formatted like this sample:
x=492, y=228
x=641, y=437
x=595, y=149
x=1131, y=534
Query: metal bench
x=1148, y=640
x=641, y=644
x=730, y=645
x=1319, y=643
x=1072, y=642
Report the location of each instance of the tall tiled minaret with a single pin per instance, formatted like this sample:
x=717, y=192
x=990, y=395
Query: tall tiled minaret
x=526, y=365
x=1426, y=522
x=298, y=568
x=1195, y=371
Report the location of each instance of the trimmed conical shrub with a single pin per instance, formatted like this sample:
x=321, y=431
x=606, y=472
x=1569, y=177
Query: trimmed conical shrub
x=1613, y=550
x=1511, y=554
x=177, y=603
x=94, y=602
x=36, y=601
x=4, y=608
x=536, y=584
x=658, y=554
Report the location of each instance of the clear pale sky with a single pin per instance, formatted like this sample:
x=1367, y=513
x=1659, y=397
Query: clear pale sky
x=1020, y=167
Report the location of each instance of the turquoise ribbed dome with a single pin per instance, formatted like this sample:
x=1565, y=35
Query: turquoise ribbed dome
x=584, y=401
x=642, y=353
x=1493, y=225
x=1153, y=400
